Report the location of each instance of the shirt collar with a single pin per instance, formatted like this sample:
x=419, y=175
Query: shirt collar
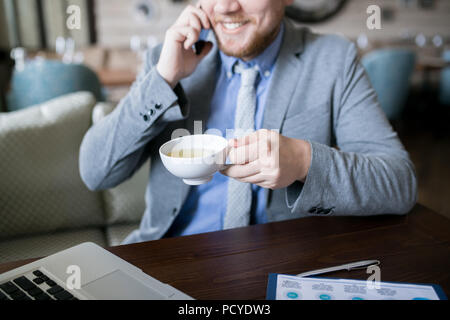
x=264, y=61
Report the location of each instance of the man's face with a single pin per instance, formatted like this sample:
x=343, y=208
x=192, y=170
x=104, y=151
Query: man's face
x=244, y=28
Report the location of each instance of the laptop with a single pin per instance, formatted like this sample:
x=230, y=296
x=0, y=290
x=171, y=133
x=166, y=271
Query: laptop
x=84, y=272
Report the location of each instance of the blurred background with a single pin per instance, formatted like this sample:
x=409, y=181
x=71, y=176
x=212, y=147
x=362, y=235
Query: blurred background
x=53, y=49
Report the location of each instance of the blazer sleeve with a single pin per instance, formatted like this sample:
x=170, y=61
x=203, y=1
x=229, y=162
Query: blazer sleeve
x=370, y=172
x=115, y=147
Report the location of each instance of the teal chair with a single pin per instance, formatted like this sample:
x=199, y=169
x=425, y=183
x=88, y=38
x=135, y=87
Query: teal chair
x=42, y=80
x=444, y=86
x=389, y=71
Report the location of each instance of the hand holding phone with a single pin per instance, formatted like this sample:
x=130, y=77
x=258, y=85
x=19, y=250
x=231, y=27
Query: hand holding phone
x=184, y=45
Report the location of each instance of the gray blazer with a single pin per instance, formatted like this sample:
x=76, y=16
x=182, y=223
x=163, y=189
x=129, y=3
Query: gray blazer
x=319, y=92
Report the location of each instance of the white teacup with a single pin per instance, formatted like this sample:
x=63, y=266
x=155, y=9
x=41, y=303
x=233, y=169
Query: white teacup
x=194, y=158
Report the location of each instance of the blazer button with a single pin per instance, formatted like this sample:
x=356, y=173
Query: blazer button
x=144, y=116
x=174, y=211
x=151, y=112
x=312, y=210
x=320, y=211
x=158, y=106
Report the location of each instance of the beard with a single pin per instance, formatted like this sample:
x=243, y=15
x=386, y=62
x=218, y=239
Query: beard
x=256, y=45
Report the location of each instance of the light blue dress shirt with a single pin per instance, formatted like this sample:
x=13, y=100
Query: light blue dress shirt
x=205, y=206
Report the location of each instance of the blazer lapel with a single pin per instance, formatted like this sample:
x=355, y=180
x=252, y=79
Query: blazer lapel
x=283, y=81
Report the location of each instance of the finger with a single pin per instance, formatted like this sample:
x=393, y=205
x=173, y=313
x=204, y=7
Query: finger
x=187, y=35
x=245, y=153
x=255, y=179
x=195, y=22
x=262, y=134
x=250, y=138
x=181, y=34
x=185, y=17
x=238, y=171
x=266, y=185
x=261, y=149
x=202, y=16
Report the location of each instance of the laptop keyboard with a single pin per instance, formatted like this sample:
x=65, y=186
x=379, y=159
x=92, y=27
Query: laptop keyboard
x=33, y=286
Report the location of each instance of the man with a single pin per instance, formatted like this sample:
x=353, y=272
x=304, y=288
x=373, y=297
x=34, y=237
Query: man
x=258, y=72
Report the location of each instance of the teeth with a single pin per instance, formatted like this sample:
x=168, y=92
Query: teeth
x=232, y=26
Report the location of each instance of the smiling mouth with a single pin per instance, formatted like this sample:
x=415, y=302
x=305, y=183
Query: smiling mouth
x=233, y=25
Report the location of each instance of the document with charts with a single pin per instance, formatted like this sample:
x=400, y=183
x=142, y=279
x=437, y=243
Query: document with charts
x=286, y=287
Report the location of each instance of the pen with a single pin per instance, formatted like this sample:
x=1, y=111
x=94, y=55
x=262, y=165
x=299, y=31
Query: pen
x=348, y=266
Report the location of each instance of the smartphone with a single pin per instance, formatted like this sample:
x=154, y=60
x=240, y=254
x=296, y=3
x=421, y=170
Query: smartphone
x=200, y=44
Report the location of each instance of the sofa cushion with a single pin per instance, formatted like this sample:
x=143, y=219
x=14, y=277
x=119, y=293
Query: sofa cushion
x=126, y=202
x=44, y=245
x=40, y=185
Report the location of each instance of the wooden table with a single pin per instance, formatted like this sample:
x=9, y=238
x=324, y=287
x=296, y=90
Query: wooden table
x=235, y=264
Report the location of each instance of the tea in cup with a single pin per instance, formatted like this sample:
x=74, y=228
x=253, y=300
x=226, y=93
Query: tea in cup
x=194, y=158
